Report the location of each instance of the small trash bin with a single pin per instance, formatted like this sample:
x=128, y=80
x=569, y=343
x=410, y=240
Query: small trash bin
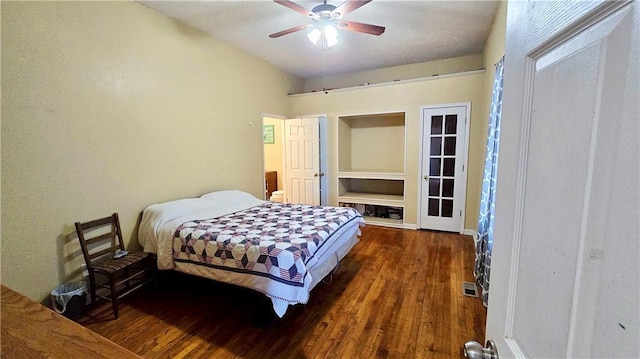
x=69, y=299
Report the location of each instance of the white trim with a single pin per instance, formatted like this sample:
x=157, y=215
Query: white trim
x=465, y=156
x=266, y=114
x=419, y=174
x=323, y=133
x=391, y=225
x=523, y=157
x=421, y=79
x=580, y=37
x=602, y=11
x=515, y=348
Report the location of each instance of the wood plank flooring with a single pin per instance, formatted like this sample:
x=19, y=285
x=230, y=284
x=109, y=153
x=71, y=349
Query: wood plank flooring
x=397, y=294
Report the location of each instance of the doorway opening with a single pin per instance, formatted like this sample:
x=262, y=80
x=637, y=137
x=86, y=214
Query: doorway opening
x=295, y=159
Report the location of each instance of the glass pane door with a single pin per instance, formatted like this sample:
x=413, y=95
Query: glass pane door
x=442, y=165
x=443, y=155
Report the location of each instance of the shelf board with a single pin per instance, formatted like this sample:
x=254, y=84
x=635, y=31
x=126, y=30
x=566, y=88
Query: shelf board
x=347, y=196
x=373, y=174
x=351, y=170
x=383, y=221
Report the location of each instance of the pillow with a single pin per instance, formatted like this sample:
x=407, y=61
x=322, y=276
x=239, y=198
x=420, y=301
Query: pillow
x=156, y=215
x=171, y=210
x=229, y=197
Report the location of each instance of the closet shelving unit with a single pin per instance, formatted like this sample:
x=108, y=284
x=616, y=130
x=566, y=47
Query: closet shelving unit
x=371, y=166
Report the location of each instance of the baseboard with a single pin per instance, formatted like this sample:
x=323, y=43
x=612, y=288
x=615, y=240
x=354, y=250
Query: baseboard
x=392, y=225
x=466, y=231
x=471, y=232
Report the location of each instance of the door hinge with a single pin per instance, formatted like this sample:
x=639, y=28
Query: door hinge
x=462, y=168
x=460, y=213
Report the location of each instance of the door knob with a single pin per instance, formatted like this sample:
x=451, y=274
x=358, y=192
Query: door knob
x=426, y=177
x=315, y=174
x=474, y=350
x=321, y=174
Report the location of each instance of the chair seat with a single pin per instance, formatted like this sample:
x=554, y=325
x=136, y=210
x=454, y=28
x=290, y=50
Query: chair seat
x=110, y=265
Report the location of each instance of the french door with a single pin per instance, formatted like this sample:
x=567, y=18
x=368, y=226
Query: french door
x=443, y=182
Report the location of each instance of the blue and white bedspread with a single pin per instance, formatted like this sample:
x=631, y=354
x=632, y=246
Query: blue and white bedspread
x=273, y=240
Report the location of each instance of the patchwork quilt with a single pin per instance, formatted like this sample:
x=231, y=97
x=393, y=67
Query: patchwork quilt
x=273, y=240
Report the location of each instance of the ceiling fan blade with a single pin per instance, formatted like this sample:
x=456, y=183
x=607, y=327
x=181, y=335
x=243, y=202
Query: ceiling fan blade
x=348, y=6
x=360, y=27
x=288, y=31
x=293, y=6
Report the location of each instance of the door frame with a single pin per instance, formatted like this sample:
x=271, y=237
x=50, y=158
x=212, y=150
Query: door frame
x=465, y=157
x=324, y=154
x=281, y=134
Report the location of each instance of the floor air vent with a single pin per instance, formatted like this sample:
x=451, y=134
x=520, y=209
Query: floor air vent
x=469, y=289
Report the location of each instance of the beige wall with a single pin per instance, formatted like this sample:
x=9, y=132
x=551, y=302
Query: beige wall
x=274, y=153
x=394, y=73
x=493, y=52
x=407, y=97
x=110, y=106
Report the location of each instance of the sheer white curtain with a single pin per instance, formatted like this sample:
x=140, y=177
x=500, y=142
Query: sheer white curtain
x=484, y=241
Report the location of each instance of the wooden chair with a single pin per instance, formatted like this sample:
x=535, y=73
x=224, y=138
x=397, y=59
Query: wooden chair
x=123, y=275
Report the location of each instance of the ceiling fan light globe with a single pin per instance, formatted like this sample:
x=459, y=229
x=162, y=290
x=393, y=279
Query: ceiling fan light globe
x=314, y=35
x=331, y=35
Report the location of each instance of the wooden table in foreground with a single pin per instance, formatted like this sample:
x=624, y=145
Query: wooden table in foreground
x=30, y=330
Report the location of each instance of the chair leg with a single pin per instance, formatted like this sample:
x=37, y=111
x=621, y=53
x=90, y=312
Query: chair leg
x=127, y=274
x=92, y=288
x=114, y=295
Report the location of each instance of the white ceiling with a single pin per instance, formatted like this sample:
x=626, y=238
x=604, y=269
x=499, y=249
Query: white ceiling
x=416, y=31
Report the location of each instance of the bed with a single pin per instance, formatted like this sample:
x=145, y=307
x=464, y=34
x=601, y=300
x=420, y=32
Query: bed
x=282, y=250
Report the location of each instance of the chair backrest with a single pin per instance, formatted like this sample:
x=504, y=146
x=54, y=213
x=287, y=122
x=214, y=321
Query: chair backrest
x=95, y=242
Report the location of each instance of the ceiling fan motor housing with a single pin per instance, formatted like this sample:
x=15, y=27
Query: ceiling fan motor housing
x=325, y=12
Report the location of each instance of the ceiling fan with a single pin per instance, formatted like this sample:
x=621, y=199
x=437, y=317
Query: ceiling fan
x=327, y=14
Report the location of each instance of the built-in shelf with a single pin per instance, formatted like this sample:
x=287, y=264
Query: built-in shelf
x=371, y=142
x=372, y=188
x=379, y=214
x=371, y=196
x=371, y=174
x=371, y=166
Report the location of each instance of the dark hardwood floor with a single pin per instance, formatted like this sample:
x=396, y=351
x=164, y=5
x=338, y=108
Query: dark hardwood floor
x=397, y=294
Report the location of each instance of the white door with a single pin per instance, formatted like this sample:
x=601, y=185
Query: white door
x=442, y=193
x=302, y=152
x=564, y=273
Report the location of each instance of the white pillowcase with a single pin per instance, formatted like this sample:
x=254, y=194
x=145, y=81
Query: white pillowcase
x=209, y=205
x=229, y=198
x=157, y=215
